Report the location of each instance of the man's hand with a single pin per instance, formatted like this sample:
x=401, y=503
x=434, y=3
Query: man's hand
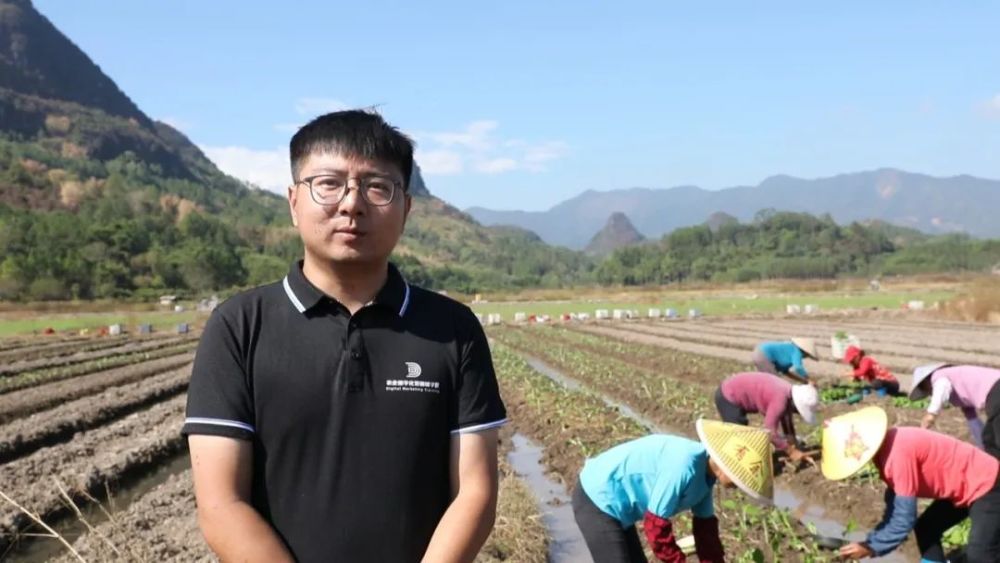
x=927, y=421
x=854, y=551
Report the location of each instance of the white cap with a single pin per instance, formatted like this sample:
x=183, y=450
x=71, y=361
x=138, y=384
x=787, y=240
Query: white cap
x=805, y=399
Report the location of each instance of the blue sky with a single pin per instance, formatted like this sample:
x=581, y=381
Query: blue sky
x=520, y=105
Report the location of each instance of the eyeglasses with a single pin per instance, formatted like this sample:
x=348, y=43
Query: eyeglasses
x=328, y=189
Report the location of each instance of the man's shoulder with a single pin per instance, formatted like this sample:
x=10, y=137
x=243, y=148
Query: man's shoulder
x=437, y=303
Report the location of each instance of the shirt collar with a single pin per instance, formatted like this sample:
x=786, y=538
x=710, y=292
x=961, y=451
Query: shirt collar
x=394, y=295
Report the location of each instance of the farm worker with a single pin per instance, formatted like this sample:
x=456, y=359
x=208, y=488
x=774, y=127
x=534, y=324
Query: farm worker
x=785, y=357
x=972, y=389
x=917, y=464
x=773, y=397
x=865, y=368
x=656, y=477
x=343, y=414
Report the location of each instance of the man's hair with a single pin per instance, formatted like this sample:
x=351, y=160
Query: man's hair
x=354, y=133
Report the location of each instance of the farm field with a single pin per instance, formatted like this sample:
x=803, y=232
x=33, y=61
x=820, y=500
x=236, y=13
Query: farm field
x=100, y=417
x=715, y=304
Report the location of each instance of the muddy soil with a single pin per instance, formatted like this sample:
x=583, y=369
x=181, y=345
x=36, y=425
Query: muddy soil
x=14, y=368
x=55, y=349
x=89, y=462
x=160, y=526
x=898, y=348
x=59, y=424
x=27, y=401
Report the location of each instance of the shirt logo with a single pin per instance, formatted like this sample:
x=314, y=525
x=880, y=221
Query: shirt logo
x=411, y=383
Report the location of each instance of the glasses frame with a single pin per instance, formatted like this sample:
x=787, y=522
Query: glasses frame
x=359, y=184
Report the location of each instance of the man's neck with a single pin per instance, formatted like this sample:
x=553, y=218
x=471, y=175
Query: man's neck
x=353, y=285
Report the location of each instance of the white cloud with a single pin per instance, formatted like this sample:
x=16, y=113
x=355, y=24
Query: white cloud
x=311, y=107
x=475, y=137
x=535, y=156
x=439, y=162
x=269, y=169
x=479, y=148
x=991, y=108
x=496, y=165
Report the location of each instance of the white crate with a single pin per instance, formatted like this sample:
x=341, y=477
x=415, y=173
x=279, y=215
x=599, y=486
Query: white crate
x=693, y=313
x=839, y=345
x=520, y=317
x=602, y=314
x=618, y=314
x=811, y=309
x=792, y=309
x=653, y=313
x=915, y=305
x=671, y=313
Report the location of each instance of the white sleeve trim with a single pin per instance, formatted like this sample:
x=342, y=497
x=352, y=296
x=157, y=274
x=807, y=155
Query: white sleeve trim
x=942, y=392
x=480, y=427
x=219, y=422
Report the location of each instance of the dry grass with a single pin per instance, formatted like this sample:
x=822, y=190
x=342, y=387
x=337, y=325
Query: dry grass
x=980, y=303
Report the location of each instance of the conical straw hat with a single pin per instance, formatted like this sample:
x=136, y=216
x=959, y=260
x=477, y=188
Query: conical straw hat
x=807, y=345
x=919, y=375
x=743, y=453
x=851, y=440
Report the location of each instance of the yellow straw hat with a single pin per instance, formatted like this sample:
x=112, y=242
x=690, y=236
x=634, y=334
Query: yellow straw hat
x=743, y=453
x=851, y=440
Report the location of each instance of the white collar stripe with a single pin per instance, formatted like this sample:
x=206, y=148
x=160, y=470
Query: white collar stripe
x=406, y=299
x=291, y=296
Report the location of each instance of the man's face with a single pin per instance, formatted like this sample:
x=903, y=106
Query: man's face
x=352, y=231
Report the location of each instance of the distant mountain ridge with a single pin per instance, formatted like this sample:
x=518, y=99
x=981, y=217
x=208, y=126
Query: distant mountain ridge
x=617, y=233
x=917, y=201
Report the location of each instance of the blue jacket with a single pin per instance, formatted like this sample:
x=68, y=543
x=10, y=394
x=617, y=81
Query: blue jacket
x=660, y=474
x=784, y=356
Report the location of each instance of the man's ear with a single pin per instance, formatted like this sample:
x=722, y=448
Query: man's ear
x=407, y=204
x=293, y=198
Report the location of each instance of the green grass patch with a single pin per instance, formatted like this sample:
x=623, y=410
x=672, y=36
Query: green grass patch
x=161, y=321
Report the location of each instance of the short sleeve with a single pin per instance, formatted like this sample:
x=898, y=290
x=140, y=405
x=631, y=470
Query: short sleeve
x=477, y=403
x=219, y=401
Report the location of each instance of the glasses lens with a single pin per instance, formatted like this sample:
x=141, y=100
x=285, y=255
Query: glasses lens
x=379, y=191
x=328, y=189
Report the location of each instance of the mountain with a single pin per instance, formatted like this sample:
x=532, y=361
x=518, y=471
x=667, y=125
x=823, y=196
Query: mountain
x=917, y=201
x=617, y=233
x=98, y=200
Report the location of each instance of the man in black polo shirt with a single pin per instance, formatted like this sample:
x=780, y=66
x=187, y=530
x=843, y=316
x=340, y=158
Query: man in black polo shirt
x=342, y=414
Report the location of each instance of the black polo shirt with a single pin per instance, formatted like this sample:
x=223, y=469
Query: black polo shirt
x=350, y=416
